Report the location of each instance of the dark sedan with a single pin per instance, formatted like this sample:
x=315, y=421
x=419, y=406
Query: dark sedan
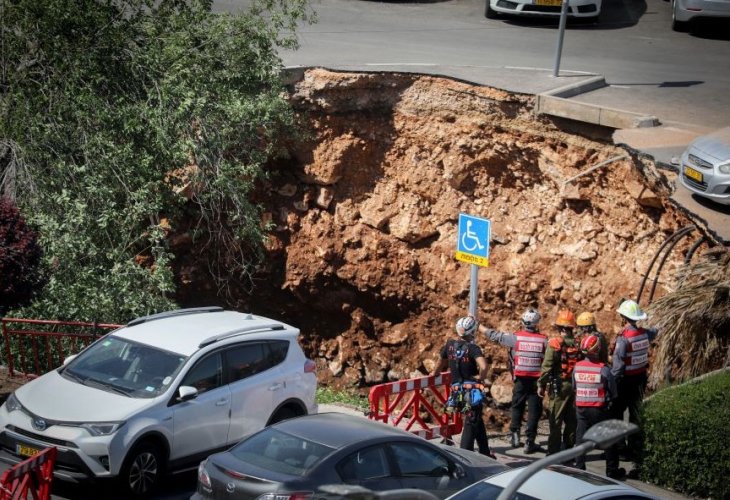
x=291, y=459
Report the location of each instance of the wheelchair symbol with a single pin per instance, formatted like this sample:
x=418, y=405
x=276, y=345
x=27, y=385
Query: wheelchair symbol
x=472, y=238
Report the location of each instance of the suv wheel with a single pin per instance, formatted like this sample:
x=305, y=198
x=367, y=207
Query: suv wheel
x=283, y=414
x=142, y=470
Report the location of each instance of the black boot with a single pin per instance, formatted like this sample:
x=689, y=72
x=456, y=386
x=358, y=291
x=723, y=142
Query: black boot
x=532, y=447
x=515, y=440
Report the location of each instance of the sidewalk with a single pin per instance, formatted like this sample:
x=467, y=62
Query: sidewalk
x=515, y=457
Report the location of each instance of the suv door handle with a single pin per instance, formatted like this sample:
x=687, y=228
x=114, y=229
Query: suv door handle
x=221, y=402
x=277, y=386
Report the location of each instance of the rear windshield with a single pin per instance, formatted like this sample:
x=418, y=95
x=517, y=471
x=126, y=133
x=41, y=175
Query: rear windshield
x=277, y=451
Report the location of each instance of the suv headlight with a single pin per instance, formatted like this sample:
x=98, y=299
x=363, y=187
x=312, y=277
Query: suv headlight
x=12, y=403
x=102, y=428
x=724, y=168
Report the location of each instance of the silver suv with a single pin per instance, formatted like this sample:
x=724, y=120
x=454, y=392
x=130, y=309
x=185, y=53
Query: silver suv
x=159, y=395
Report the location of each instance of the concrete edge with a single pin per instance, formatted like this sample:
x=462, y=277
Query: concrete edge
x=591, y=113
x=580, y=87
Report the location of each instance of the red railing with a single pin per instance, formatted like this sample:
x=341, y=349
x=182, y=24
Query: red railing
x=32, y=347
x=418, y=405
x=32, y=476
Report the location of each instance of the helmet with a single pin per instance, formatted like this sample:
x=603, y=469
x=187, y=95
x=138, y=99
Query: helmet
x=565, y=318
x=586, y=319
x=631, y=310
x=531, y=318
x=466, y=326
x=590, y=345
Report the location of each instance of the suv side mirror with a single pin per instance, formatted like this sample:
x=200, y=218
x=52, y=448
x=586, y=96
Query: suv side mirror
x=186, y=393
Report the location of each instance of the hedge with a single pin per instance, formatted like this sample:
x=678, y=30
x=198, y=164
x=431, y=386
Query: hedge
x=686, y=429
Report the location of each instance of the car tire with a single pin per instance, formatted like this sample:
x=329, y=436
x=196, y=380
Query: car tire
x=678, y=26
x=490, y=13
x=142, y=470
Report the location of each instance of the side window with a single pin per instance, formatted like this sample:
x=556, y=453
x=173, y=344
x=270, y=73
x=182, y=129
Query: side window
x=417, y=460
x=370, y=463
x=206, y=374
x=245, y=360
x=278, y=350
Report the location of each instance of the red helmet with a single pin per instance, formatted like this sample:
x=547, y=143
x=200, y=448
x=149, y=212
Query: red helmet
x=590, y=345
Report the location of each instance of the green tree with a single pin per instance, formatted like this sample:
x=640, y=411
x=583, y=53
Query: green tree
x=123, y=114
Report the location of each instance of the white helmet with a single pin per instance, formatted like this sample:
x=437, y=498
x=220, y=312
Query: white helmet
x=466, y=326
x=531, y=318
x=630, y=309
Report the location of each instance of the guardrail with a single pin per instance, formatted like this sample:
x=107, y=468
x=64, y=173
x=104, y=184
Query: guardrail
x=417, y=405
x=30, y=477
x=34, y=346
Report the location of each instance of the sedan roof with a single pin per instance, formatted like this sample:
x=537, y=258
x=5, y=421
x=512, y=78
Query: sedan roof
x=338, y=430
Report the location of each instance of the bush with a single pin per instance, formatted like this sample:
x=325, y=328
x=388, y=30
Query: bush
x=686, y=438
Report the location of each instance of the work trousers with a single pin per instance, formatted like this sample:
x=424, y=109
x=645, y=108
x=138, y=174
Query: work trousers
x=474, y=430
x=562, y=418
x=525, y=394
x=630, y=396
x=588, y=416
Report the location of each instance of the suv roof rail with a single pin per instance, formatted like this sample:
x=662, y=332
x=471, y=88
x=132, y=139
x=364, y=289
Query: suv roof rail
x=240, y=331
x=178, y=312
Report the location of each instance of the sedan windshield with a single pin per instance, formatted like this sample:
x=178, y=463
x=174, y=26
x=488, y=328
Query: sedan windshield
x=277, y=451
x=125, y=367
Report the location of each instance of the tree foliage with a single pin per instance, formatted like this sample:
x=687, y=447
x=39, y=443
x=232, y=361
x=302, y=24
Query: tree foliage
x=122, y=113
x=21, y=275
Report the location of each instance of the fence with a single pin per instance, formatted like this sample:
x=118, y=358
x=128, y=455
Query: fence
x=418, y=405
x=33, y=347
x=32, y=476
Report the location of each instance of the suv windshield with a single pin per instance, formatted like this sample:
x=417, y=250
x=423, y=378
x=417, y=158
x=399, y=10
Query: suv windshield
x=125, y=367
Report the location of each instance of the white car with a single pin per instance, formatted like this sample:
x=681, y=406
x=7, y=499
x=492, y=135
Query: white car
x=556, y=481
x=159, y=395
x=586, y=9
x=684, y=11
x=705, y=166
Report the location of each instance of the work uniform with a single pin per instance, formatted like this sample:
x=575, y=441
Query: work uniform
x=595, y=389
x=461, y=356
x=630, y=366
x=527, y=351
x=557, y=373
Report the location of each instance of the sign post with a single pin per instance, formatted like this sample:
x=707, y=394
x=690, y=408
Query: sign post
x=473, y=248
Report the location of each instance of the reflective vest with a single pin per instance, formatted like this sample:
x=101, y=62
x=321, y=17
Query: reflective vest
x=590, y=389
x=569, y=355
x=636, y=359
x=528, y=353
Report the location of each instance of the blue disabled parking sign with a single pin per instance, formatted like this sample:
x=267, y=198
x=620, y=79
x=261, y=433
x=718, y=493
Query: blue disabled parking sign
x=474, y=236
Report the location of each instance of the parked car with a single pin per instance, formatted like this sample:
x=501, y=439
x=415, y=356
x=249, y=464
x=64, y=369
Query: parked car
x=159, y=395
x=556, y=481
x=705, y=166
x=292, y=459
x=684, y=11
x=586, y=9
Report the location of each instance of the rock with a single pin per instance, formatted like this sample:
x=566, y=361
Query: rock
x=501, y=389
x=394, y=336
x=287, y=190
x=324, y=197
x=643, y=195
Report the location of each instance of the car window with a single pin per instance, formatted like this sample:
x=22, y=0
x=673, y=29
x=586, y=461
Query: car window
x=248, y=359
x=277, y=451
x=369, y=463
x=415, y=460
x=277, y=351
x=207, y=374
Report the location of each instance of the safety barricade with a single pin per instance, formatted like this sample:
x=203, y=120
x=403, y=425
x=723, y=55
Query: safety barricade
x=30, y=477
x=417, y=405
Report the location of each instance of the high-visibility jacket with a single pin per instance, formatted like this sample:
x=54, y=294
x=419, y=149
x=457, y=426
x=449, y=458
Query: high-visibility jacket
x=569, y=355
x=636, y=359
x=528, y=353
x=590, y=386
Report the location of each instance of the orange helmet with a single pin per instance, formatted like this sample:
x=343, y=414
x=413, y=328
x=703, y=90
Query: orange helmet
x=586, y=319
x=565, y=318
x=590, y=345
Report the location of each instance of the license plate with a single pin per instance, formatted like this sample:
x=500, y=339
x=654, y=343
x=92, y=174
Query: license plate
x=26, y=451
x=551, y=3
x=693, y=174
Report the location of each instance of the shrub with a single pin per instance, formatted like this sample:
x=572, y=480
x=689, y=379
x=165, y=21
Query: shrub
x=686, y=437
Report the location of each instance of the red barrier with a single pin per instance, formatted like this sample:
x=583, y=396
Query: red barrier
x=404, y=404
x=32, y=476
x=24, y=340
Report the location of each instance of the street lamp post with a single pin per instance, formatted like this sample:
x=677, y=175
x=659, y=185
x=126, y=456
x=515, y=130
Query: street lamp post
x=602, y=436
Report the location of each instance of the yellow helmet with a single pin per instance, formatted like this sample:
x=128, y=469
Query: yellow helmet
x=586, y=319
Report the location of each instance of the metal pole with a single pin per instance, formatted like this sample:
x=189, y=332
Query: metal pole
x=473, y=285
x=561, y=33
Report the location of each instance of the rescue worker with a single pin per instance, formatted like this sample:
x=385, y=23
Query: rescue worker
x=557, y=373
x=586, y=325
x=629, y=367
x=595, y=389
x=527, y=350
x=467, y=365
